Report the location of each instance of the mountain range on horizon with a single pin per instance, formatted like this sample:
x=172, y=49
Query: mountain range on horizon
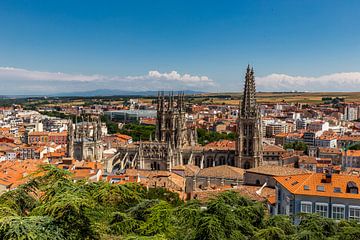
x=102, y=93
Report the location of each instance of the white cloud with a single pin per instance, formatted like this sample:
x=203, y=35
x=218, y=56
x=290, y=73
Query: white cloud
x=174, y=76
x=344, y=81
x=24, y=74
x=16, y=79
x=19, y=73
x=24, y=81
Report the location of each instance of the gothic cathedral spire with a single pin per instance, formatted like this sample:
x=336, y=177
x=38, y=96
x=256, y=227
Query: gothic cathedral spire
x=249, y=141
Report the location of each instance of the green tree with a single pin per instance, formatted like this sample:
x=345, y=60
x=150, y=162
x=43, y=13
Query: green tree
x=282, y=222
x=270, y=233
x=210, y=228
x=300, y=146
x=29, y=228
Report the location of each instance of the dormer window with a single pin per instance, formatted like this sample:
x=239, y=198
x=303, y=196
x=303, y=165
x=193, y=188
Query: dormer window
x=351, y=187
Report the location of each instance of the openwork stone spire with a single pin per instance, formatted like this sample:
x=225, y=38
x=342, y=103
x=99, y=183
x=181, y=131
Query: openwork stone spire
x=248, y=104
x=249, y=141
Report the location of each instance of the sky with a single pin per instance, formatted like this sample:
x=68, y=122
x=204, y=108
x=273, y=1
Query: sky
x=49, y=46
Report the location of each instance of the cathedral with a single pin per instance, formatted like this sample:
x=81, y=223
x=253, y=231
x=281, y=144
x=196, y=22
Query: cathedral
x=248, y=150
x=84, y=140
x=176, y=144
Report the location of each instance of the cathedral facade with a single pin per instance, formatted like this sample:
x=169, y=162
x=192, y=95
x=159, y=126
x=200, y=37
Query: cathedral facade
x=176, y=144
x=84, y=140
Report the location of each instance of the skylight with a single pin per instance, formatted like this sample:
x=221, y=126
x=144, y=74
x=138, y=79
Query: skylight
x=294, y=183
x=320, y=188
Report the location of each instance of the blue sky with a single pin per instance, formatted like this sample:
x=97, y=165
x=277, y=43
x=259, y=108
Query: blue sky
x=57, y=46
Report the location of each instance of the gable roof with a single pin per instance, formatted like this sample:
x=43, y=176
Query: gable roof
x=274, y=170
x=272, y=148
x=223, y=171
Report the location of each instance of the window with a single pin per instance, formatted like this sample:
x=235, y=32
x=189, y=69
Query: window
x=321, y=209
x=291, y=208
x=338, y=211
x=354, y=213
x=320, y=188
x=306, y=207
x=279, y=195
x=294, y=183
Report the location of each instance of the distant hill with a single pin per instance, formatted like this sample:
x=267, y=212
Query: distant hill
x=115, y=92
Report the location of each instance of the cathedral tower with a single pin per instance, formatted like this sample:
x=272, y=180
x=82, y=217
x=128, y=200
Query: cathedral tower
x=249, y=141
x=171, y=122
x=85, y=140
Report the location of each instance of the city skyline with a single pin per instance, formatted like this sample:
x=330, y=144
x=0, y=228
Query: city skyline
x=67, y=46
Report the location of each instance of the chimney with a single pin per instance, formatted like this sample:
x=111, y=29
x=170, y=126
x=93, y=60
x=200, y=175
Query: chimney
x=328, y=178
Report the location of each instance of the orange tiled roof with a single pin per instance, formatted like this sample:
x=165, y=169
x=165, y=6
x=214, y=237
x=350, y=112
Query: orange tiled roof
x=123, y=136
x=329, y=150
x=295, y=184
x=83, y=173
x=64, y=133
x=353, y=153
x=149, y=121
x=223, y=171
x=222, y=144
x=349, y=138
x=271, y=199
x=13, y=173
x=38, y=133
x=307, y=160
x=244, y=190
x=274, y=170
x=272, y=148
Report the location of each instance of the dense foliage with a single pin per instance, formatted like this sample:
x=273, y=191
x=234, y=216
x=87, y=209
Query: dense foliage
x=205, y=136
x=112, y=126
x=300, y=146
x=52, y=206
x=138, y=132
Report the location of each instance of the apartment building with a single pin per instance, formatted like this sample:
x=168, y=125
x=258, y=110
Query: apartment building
x=333, y=196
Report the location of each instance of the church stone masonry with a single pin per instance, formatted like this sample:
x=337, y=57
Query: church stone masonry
x=84, y=140
x=175, y=140
x=249, y=141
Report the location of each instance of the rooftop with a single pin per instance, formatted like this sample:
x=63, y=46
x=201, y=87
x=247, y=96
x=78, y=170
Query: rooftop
x=312, y=184
x=222, y=144
x=273, y=148
x=274, y=170
x=223, y=171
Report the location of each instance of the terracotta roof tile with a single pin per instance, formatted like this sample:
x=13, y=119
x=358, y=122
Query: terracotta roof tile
x=272, y=148
x=223, y=171
x=274, y=170
x=312, y=184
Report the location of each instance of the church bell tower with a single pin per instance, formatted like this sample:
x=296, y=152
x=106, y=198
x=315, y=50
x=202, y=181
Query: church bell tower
x=249, y=151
